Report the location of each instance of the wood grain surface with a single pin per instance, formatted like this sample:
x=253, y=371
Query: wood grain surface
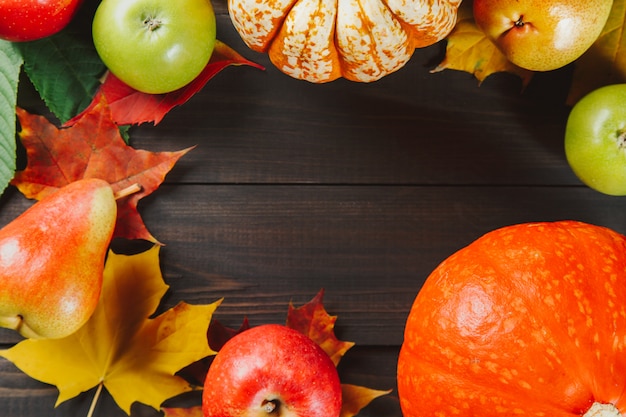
x=360, y=189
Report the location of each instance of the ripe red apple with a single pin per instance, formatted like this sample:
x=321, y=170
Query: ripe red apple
x=273, y=371
x=542, y=35
x=28, y=20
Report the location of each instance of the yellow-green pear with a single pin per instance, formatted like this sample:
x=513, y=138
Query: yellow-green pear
x=52, y=260
x=542, y=35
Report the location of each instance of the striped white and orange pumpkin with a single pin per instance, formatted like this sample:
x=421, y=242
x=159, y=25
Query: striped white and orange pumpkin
x=360, y=40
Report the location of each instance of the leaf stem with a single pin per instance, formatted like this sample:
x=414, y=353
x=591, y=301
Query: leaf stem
x=96, y=396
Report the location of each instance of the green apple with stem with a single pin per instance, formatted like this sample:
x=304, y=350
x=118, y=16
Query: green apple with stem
x=595, y=139
x=155, y=46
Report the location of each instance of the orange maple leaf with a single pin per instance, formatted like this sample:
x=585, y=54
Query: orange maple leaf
x=92, y=148
x=195, y=411
x=356, y=397
x=313, y=320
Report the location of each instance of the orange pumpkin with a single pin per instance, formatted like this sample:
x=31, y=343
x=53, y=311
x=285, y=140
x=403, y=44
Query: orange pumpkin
x=361, y=40
x=528, y=320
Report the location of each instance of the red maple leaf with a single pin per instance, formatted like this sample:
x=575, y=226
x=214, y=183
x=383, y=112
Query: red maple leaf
x=132, y=107
x=91, y=148
x=312, y=320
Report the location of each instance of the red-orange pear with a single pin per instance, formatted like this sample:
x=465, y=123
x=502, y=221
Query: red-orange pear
x=542, y=35
x=52, y=260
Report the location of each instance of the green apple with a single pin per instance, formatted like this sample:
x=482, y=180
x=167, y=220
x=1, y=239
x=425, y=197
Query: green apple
x=155, y=46
x=595, y=139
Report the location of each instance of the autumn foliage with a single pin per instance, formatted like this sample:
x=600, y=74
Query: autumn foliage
x=92, y=148
x=468, y=49
x=128, y=341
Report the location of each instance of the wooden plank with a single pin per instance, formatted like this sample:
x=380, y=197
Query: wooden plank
x=412, y=127
x=369, y=247
x=22, y=396
x=360, y=189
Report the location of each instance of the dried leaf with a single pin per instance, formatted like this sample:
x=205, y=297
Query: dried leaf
x=130, y=107
x=219, y=334
x=183, y=412
x=133, y=356
x=92, y=148
x=605, y=62
x=356, y=398
x=469, y=50
x=313, y=320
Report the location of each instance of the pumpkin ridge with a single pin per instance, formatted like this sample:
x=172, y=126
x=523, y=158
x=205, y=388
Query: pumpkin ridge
x=616, y=243
x=364, y=41
x=583, y=365
x=303, y=47
x=502, y=403
x=371, y=40
x=545, y=318
x=519, y=310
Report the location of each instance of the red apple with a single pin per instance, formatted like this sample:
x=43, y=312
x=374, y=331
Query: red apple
x=273, y=371
x=28, y=20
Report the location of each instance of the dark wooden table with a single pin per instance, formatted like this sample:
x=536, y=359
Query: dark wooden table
x=360, y=189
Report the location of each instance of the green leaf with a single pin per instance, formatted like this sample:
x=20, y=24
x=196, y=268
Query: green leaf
x=65, y=72
x=10, y=66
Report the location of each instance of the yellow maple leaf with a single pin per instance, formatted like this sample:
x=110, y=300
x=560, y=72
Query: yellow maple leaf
x=604, y=62
x=468, y=49
x=313, y=320
x=133, y=356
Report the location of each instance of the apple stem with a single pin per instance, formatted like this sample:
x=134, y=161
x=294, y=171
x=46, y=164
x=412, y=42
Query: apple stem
x=132, y=189
x=152, y=23
x=270, y=406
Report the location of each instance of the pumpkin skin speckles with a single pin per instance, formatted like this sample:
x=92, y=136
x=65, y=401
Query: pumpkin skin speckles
x=360, y=40
x=527, y=320
x=302, y=45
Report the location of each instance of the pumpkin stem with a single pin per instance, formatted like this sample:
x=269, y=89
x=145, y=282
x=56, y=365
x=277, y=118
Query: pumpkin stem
x=602, y=410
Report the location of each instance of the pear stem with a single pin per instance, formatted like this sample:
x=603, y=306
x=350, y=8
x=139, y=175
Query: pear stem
x=96, y=396
x=131, y=189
